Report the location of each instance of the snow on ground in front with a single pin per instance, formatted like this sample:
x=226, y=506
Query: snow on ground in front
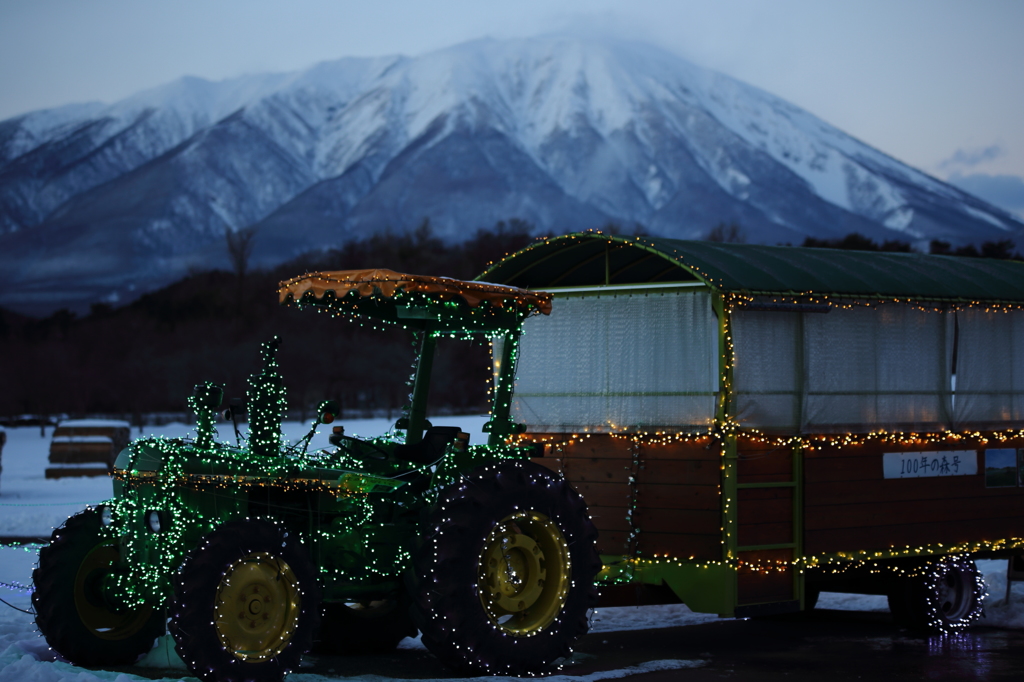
x=31, y=506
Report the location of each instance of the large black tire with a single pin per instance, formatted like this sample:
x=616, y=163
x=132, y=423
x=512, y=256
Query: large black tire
x=246, y=604
x=945, y=595
x=77, y=622
x=371, y=628
x=503, y=579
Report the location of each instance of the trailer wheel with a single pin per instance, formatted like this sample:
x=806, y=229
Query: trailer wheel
x=71, y=611
x=946, y=596
x=246, y=603
x=374, y=627
x=504, y=578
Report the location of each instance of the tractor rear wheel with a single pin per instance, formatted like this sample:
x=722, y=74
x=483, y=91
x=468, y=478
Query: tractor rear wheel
x=503, y=580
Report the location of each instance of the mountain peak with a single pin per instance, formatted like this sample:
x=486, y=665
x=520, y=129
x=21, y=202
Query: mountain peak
x=567, y=131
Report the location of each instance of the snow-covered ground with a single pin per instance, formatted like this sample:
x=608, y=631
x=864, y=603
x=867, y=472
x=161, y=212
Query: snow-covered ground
x=31, y=506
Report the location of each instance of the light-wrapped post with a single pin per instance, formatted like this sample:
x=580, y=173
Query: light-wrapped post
x=421, y=390
x=500, y=426
x=204, y=401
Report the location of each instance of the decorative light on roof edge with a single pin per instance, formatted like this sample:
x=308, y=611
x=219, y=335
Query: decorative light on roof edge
x=388, y=283
x=850, y=299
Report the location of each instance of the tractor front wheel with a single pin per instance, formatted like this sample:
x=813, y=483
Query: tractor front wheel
x=246, y=604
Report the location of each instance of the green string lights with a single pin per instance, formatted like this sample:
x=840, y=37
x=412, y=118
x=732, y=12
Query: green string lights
x=355, y=510
x=266, y=405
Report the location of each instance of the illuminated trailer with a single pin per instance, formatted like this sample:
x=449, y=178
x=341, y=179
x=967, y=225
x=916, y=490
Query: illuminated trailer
x=750, y=425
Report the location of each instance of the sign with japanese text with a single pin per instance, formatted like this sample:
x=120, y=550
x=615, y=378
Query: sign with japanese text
x=922, y=464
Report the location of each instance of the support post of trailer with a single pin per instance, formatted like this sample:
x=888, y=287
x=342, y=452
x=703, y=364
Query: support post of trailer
x=727, y=441
x=1014, y=573
x=799, y=583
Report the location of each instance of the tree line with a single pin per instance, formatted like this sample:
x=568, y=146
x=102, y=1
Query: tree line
x=1002, y=249
x=146, y=356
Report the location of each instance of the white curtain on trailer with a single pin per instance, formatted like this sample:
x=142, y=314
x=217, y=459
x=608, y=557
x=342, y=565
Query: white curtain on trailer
x=637, y=362
x=650, y=362
x=847, y=370
x=767, y=369
x=887, y=367
x=989, y=369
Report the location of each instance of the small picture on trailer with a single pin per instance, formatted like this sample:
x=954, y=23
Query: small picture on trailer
x=1001, y=468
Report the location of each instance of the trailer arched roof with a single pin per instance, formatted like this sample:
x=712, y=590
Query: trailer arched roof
x=594, y=259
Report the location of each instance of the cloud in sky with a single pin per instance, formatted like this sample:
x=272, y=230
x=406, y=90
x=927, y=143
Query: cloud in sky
x=964, y=170
x=1005, y=191
x=963, y=159
x=878, y=70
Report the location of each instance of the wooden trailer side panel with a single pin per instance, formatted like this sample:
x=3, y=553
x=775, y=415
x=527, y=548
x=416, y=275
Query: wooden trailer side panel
x=672, y=507
x=850, y=506
x=766, y=490
x=764, y=514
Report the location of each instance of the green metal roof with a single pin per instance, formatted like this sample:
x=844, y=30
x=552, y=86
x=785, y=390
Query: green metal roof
x=591, y=258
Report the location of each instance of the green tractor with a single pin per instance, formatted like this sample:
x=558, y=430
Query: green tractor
x=253, y=553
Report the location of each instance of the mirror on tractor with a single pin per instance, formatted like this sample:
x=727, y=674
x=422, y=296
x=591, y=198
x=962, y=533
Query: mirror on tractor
x=326, y=411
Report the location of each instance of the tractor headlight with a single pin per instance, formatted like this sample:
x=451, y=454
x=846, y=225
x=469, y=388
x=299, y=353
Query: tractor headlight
x=106, y=516
x=154, y=520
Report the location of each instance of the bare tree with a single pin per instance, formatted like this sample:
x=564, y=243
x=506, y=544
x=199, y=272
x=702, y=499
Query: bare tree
x=240, y=243
x=729, y=234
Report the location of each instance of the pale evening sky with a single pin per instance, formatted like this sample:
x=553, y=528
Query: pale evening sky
x=935, y=83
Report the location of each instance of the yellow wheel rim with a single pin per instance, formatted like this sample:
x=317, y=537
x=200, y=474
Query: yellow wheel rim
x=257, y=607
x=524, y=573
x=93, y=611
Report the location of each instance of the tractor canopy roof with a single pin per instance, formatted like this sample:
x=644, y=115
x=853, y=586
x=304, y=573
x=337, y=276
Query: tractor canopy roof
x=595, y=259
x=439, y=305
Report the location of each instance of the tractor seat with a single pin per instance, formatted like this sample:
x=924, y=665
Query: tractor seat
x=431, y=448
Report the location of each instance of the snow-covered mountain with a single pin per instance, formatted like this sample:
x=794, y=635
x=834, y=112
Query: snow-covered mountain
x=97, y=202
